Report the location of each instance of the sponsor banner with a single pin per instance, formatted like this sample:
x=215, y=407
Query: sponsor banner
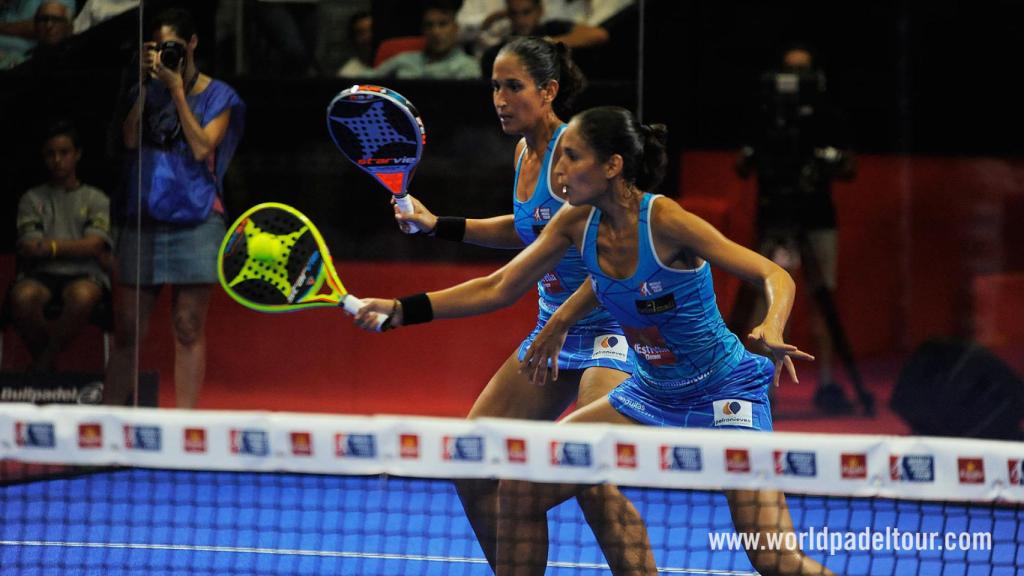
x=682, y=458
x=912, y=468
x=896, y=467
x=463, y=448
x=796, y=463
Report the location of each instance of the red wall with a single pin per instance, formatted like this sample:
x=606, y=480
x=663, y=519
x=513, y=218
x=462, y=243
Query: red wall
x=913, y=232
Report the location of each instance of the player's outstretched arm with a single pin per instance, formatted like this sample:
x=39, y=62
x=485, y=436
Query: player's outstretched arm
x=497, y=290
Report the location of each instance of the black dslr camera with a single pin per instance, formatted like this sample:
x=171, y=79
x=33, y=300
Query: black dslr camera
x=171, y=54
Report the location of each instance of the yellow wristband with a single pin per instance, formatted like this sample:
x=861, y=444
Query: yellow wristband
x=53, y=248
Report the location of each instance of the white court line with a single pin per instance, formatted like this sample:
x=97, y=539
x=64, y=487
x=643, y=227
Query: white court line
x=337, y=554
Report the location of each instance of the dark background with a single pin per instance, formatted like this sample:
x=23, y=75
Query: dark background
x=936, y=78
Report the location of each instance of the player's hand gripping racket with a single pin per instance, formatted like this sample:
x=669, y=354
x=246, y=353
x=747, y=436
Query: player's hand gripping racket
x=380, y=132
x=273, y=259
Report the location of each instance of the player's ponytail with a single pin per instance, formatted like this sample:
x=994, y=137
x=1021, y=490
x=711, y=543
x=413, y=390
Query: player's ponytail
x=546, y=61
x=610, y=130
x=655, y=158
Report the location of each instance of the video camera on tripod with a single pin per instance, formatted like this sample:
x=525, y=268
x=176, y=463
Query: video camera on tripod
x=792, y=155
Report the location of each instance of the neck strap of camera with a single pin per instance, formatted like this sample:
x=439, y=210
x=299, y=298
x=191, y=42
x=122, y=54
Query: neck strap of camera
x=191, y=83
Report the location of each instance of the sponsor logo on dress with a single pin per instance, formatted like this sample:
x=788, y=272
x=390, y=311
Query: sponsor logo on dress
x=649, y=345
x=650, y=288
x=657, y=305
x=733, y=413
x=552, y=283
x=612, y=346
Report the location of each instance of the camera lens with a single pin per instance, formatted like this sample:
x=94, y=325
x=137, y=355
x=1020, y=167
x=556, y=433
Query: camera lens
x=171, y=54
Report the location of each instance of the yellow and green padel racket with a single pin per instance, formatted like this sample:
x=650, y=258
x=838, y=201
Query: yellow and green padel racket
x=273, y=259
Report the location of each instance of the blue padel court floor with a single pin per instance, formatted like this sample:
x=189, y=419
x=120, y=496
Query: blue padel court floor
x=212, y=523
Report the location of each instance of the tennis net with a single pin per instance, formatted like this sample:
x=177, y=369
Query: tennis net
x=96, y=490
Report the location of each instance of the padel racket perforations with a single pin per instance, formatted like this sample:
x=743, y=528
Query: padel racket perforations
x=273, y=259
x=381, y=132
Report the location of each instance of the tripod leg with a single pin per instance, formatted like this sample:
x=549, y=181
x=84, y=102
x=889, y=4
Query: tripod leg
x=826, y=305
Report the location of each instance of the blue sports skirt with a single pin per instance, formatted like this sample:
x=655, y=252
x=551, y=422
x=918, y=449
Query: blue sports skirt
x=737, y=399
x=170, y=253
x=588, y=345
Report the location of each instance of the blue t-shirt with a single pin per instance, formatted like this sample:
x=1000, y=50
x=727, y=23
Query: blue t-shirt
x=171, y=172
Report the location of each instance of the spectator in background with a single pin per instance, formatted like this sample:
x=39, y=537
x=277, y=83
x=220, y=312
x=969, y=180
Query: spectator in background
x=360, y=37
x=475, y=16
x=442, y=56
x=526, y=18
x=292, y=29
x=63, y=249
x=53, y=27
x=18, y=28
x=589, y=12
x=191, y=125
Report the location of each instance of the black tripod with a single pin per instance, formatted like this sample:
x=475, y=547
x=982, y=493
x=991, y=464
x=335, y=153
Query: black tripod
x=823, y=299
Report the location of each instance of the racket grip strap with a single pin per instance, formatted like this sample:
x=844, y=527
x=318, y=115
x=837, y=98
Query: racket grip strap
x=416, y=309
x=352, y=305
x=450, y=228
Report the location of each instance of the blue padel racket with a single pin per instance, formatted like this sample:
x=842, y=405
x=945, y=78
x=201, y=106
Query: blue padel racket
x=381, y=132
x=273, y=259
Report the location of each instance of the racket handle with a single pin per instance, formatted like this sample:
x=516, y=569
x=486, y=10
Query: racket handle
x=352, y=305
x=405, y=206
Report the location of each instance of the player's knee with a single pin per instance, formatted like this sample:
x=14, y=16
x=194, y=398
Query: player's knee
x=522, y=498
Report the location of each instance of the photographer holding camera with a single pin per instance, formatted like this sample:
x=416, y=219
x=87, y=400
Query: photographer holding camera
x=796, y=156
x=183, y=129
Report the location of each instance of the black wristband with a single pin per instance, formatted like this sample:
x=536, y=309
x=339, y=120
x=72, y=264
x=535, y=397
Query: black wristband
x=416, y=309
x=450, y=228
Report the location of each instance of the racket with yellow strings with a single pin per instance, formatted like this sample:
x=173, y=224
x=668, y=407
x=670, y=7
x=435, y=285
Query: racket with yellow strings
x=273, y=259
